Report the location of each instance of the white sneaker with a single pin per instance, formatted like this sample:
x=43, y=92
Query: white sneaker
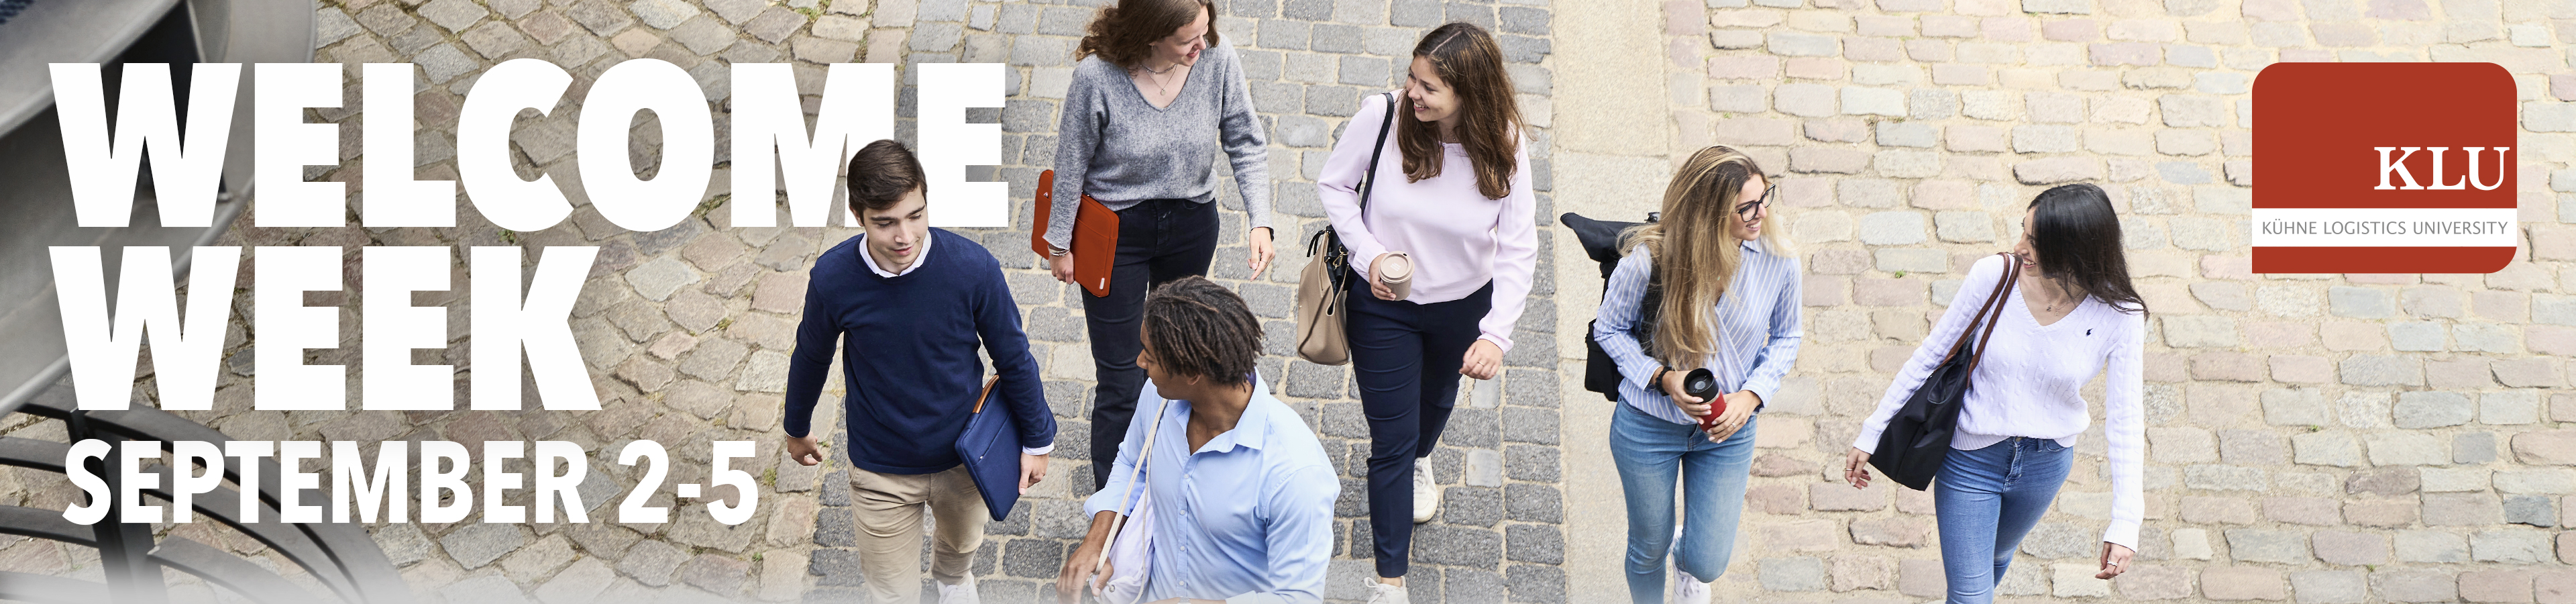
x=1426, y=494
x=963, y=592
x=1684, y=588
x=1687, y=589
x=1382, y=593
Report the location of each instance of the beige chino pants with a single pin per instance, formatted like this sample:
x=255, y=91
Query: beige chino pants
x=889, y=517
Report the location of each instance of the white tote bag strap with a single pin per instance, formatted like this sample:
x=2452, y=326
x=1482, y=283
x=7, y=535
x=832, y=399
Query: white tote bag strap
x=1133, y=478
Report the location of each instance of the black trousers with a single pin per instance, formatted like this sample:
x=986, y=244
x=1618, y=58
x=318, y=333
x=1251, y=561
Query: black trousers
x=1159, y=241
x=1406, y=358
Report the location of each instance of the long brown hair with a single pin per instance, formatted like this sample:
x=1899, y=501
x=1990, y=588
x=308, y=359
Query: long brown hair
x=1694, y=249
x=1467, y=59
x=1123, y=32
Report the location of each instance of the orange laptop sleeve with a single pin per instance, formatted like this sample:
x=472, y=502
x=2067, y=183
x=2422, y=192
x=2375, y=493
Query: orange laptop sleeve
x=1095, y=236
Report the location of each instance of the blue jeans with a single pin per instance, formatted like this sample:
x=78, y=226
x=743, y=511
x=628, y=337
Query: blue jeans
x=1650, y=452
x=1987, y=500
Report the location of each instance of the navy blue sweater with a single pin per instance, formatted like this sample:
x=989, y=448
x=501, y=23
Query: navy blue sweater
x=908, y=345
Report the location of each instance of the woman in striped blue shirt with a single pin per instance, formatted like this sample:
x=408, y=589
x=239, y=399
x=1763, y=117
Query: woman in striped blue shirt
x=1727, y=289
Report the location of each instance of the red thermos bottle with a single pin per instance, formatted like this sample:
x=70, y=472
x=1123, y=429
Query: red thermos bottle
x=1702, y=384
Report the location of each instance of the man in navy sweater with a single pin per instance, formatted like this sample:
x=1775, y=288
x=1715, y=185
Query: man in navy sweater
x=908, y=305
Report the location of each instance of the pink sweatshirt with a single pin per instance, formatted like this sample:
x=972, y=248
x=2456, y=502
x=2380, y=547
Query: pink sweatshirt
x=1459, y=239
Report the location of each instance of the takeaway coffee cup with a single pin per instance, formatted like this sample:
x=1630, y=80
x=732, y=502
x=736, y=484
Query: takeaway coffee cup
x=1396, y=271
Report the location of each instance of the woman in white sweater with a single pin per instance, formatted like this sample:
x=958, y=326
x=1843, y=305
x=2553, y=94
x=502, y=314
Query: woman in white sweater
x=2072, y=315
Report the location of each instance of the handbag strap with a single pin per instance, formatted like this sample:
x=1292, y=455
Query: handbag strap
x=1994, y=302
x=1133, y=477
x=988, y=392
x=1368, y=185
x=1650, y=311
x=2012, y=269
x=1368, y=179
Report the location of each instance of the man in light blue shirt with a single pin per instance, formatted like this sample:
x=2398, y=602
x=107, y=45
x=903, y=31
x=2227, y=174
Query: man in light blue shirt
x=1241, y=492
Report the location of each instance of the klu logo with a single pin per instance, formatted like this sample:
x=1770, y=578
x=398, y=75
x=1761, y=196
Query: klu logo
x=2353, y=181
x=2398, y=169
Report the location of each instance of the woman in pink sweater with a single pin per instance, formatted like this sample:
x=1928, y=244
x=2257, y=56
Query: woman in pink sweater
x=1456, y=201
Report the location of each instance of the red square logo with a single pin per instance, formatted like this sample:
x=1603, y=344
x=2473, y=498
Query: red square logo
x=2384, y=168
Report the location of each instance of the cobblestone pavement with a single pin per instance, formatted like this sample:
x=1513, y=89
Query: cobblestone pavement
x=687, y=330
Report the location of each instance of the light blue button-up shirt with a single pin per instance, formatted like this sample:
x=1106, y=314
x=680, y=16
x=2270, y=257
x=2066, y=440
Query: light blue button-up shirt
x=1248, y=517
x=1757, y=329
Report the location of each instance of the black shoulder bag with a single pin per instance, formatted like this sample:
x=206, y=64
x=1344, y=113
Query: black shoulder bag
x=1917, y=439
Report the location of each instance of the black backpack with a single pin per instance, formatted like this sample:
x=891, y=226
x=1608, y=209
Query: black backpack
x=1600, y=240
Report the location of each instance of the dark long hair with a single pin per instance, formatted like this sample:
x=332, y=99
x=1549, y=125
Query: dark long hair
x=1122, y=31
x=1466, y=58
x=2077, y=236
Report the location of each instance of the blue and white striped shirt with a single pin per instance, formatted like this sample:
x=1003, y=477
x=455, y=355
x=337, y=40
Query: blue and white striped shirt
x=1757, y=333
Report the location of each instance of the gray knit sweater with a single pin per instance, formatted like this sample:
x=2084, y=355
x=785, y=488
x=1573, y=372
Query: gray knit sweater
x=1122, y=150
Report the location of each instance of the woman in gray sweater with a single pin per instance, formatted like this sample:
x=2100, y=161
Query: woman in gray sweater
x=1153, y=99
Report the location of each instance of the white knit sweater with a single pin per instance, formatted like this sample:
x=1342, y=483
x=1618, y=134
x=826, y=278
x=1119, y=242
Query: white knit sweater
x=2031, y=380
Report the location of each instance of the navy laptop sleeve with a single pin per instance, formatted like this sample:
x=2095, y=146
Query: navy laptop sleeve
x=990, y=448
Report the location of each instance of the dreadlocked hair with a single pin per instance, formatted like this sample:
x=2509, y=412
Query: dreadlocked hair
x=1201, y=329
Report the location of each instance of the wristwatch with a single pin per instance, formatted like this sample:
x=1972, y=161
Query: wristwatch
x=1052, y=250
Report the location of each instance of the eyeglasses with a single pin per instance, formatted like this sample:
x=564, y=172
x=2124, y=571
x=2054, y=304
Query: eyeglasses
x=1750, y=209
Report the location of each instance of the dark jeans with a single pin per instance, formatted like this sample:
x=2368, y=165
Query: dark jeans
x=1159, y=240
x=1406, y=358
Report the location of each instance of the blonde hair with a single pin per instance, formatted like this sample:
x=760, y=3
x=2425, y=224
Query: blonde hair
x=1694, y=249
